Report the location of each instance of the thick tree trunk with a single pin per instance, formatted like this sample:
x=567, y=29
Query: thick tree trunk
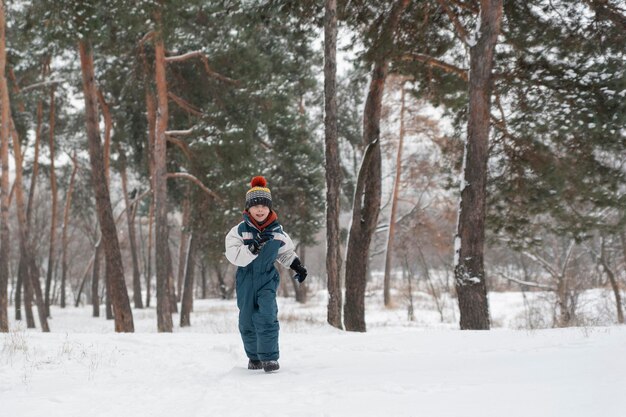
x=368, y=187
x=95, y=278
x=53, y=211
x=333, y=167
x=115, y=271
x=394, y=208
x=4, y=181
x=186, y=306
x=108, y=125
x=164, y=308
x=66, y=219
x=131, y=235
x=470, y=240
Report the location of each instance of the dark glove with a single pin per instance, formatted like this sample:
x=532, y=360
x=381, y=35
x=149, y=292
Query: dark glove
x=258, y=242
x=301, y=272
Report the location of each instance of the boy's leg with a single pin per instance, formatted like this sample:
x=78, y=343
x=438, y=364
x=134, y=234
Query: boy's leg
x=245, y=302
x=265, y=319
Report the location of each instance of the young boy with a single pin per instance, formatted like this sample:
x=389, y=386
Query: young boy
x=253, y=246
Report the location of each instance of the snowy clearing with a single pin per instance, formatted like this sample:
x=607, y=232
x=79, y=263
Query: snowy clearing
x=83, y=368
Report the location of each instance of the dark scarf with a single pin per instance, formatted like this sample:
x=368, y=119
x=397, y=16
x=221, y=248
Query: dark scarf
x=271, y=218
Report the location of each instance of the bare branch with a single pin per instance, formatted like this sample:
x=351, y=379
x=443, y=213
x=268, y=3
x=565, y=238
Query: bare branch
x=434, y=62
x=182, y=145
x=543, y=263
x=148, y=36
x=42, y=84
x=205, y=61
x=528, y=283
x=190, y=177
x=184, y=104
x=179, y=132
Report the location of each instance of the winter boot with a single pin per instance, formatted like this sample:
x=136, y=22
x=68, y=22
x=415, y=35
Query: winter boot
x=270, y=366
x=254, y=365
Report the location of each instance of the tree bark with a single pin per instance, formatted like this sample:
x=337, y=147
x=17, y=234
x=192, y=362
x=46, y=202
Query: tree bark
x=31, y=274
x=470, y=240
x=115, y=270
x=367, y=195
x=131, y=235
x=66, y=219
x=333, y=167
x=23, y=282
x=186, y=306
x=164, y=308
x=95, y=278
x=182, y=250
x=4, y=181
x=149, y=251
x=394, y=207
x=54, y=196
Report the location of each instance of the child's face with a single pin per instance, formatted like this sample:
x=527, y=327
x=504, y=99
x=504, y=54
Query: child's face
x=259, y=212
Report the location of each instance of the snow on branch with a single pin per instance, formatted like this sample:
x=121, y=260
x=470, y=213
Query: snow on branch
x=434, y=62
x=42, y=84
x=190, y=177
x=528, y=283
x=205, y=61
x=461, y=31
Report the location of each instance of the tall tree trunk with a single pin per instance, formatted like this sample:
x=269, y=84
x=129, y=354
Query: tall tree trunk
x=131, y=234
x=24, y=283
x=171, y=282
x=95, y=278
x=164, y=308
x=470, y=240
x=394, y=207
x=4, y=181
x=149, y=251
x=108, y=125
x=115, y=270
x=66, y=219
x=54, y=196
x=151, y=119
x=333, y=167
x=367, y=195
x=31, y=274
x=182, y=250
x=203, y=273
x=186, y=306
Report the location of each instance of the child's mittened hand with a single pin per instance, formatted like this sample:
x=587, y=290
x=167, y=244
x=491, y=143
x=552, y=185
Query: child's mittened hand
x=258, y=242
x=297, y=266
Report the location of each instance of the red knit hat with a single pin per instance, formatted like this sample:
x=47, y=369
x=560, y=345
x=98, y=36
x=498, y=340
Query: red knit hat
x=259, y=194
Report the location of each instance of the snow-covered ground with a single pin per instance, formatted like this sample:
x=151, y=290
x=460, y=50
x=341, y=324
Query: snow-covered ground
x=397, y=368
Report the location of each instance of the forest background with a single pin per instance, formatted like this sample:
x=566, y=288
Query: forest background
x=480, y=145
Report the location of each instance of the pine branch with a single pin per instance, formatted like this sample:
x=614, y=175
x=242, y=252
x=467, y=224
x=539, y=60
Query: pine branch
x=205, y=61
x=187, y=176
x=460, y=29
x=436, y=63
x=185, y=105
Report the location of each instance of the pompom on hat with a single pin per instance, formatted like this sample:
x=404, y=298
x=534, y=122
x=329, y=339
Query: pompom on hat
x=258, y=194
